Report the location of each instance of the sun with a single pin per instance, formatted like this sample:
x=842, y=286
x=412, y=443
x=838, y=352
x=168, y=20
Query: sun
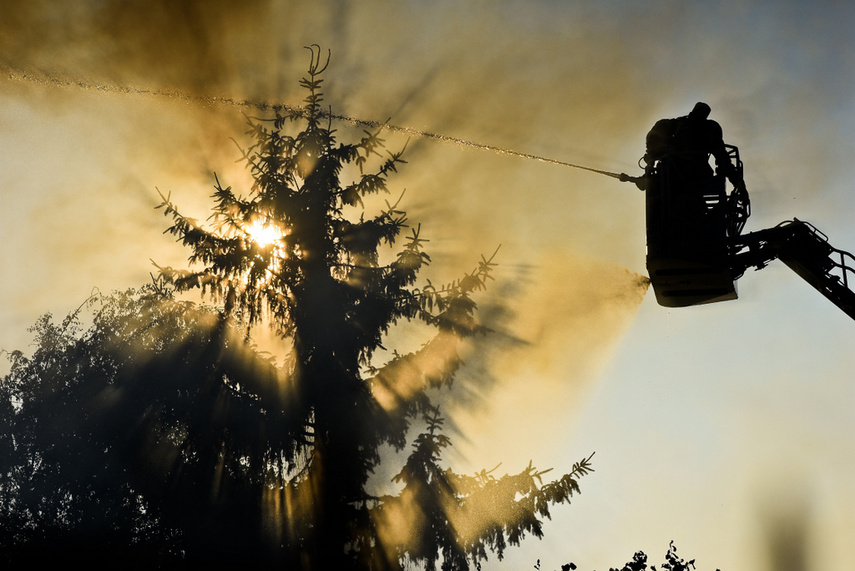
x=267, y=251
x=263, y=234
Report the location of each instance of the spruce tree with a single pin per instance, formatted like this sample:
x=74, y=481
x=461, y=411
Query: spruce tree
x=320, y=283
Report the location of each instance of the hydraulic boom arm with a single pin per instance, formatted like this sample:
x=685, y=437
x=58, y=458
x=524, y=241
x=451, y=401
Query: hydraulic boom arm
x=807, y=252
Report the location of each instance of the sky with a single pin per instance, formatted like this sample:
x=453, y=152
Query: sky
x=727, y=428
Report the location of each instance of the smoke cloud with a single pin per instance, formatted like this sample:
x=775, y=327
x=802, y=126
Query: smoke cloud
x=84, y=216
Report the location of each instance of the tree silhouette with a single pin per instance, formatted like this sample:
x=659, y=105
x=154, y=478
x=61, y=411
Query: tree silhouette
x=149, y=425
x=321, y=284
x=673, y=562
x=149, y=430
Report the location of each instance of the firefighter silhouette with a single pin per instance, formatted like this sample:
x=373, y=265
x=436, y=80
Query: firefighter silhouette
x=686, y=143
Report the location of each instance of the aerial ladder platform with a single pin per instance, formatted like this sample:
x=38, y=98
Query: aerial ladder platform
x=696, y=250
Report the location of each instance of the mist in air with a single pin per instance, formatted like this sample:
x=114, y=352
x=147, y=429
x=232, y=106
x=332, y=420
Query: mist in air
x=107, y=102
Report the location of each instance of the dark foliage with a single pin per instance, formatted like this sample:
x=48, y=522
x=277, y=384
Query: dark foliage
x=150, y=435
x=639, y=563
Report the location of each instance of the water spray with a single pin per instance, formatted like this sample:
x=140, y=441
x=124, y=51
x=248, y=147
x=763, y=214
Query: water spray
x=54, y=81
